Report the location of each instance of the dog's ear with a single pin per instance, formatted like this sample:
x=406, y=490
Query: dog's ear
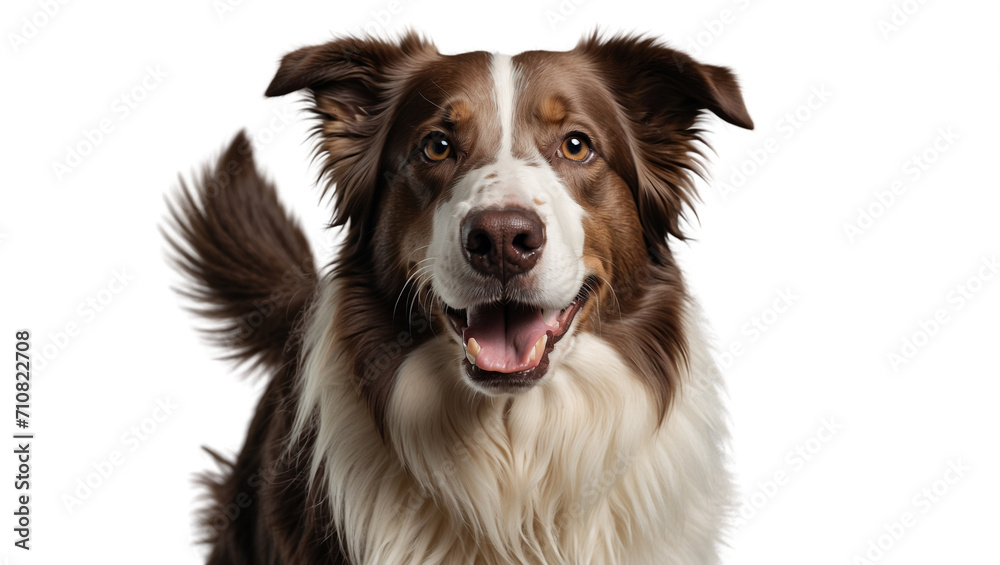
x=352, y=82
x=661, y=93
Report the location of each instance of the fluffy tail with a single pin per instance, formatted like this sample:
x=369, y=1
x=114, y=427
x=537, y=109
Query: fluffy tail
x=248, y=264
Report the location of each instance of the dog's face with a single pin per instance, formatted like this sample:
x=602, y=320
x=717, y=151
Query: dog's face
x=518, y=200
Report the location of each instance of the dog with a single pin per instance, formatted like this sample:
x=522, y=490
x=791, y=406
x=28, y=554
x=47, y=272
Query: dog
x=501, y=363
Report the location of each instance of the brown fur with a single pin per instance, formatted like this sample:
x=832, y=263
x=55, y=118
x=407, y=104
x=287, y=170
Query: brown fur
x=375, y=100
x=639, y=102
x=250, y=267
x=365, y=93
x=248, y=263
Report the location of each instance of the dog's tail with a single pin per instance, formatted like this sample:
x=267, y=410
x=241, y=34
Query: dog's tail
x=248, y=264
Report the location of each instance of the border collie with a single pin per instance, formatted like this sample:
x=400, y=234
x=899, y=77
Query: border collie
x=502, y=363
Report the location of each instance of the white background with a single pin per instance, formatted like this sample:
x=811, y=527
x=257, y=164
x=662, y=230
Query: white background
x=823, y=361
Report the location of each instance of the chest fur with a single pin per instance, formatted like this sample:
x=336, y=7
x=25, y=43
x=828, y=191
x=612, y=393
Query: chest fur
x=576, y=470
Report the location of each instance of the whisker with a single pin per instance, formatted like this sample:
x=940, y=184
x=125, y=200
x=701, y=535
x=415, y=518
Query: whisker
x=406, y=284
x=419, y=285
x=618, y=304
x=428, y=296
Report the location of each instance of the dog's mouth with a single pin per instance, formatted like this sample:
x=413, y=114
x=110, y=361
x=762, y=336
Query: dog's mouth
x=507, y=344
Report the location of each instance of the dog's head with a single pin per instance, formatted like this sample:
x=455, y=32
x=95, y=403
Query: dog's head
x=523, y=199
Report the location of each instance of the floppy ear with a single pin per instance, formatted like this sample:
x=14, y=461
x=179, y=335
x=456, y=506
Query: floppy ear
x=661, y=93
x=352, y=82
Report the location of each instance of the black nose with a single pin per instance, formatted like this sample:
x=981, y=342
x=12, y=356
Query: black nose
x=503, y=243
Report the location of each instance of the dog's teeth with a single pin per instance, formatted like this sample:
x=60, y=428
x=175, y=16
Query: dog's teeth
x=472, y=350
x=539, y=348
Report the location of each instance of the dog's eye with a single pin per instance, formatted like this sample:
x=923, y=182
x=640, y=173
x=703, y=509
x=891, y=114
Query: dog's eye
x=575, y=148
x=437, y=147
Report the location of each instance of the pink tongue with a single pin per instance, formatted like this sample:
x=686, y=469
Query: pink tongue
x=506, y=335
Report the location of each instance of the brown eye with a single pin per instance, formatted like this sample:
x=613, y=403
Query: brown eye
x=575, y=148
x=437, y=147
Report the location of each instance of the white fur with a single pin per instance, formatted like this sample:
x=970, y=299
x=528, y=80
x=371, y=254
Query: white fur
x=572, y=471
x=505, y=83
x=575, y=470
x=509, y=181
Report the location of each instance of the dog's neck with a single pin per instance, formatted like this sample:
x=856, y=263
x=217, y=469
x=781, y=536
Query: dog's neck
x=575, y=470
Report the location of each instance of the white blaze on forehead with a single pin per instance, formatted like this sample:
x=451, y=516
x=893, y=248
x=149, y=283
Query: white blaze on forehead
x=504, y=92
